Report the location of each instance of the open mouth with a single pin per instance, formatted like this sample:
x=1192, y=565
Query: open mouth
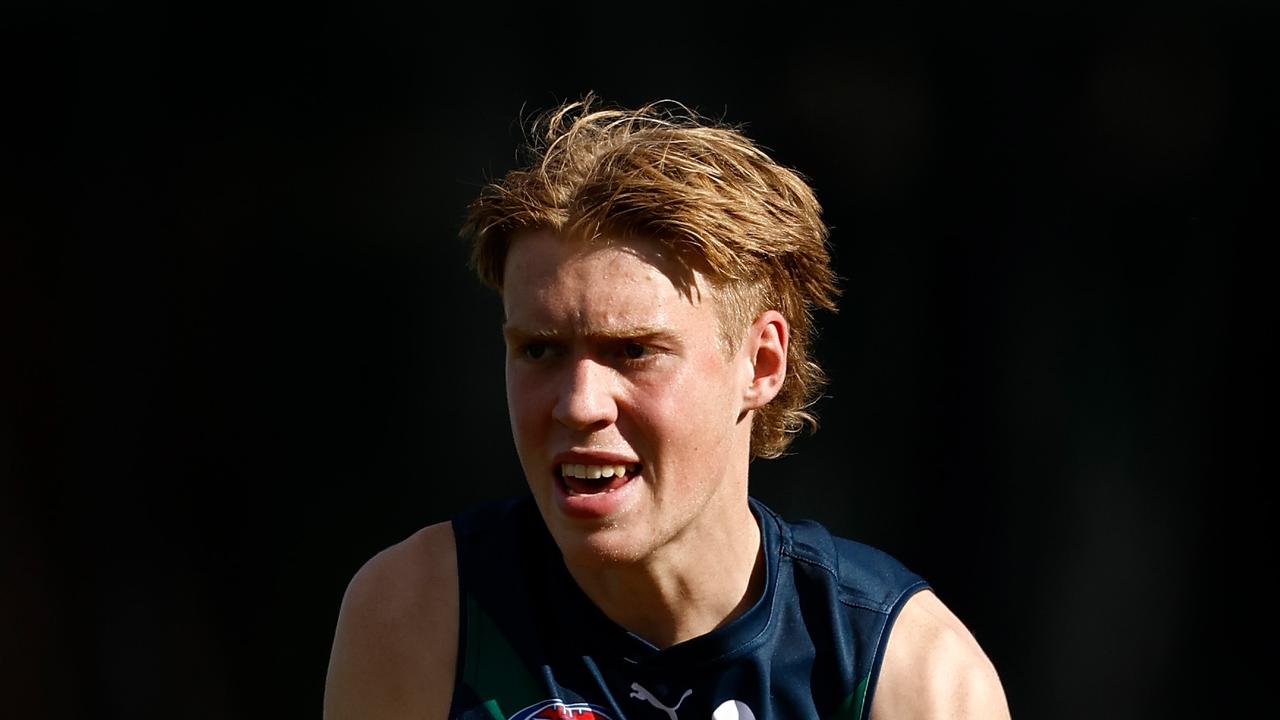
x=578, y=479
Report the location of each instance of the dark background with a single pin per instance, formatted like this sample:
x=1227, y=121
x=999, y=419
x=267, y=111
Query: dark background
x=249, y=353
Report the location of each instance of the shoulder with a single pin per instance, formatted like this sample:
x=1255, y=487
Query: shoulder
x=867, y=577
x=395, y=644
x=934, y=668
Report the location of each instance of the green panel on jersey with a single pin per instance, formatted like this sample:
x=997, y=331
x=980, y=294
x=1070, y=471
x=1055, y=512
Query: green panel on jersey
x=491, y=667
x=851, y=708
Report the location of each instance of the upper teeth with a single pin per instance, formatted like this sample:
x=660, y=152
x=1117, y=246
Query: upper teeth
x=592, y=472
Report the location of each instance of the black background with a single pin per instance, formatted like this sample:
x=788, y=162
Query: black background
x=249, y=353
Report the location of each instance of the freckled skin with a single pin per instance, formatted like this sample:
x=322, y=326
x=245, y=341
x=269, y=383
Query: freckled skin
x=679, y=410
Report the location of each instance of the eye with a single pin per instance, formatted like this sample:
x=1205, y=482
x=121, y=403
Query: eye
x=633, y=350
x=535, y=350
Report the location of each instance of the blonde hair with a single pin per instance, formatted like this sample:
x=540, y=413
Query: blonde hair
x=702, y=188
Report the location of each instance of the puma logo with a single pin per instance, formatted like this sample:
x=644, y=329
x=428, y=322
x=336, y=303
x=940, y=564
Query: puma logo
x=638, y=691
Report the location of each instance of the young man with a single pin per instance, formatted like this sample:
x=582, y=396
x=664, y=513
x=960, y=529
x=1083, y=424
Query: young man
x=657, y=272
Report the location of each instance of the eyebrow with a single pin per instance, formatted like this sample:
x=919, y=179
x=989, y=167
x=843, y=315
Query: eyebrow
x=515, y=333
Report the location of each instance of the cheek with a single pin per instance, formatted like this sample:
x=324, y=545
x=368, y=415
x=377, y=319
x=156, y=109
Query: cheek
x=524, y=402
x=687, y=407
x=712, y=387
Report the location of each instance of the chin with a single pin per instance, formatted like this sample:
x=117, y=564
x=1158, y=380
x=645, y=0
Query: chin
x=607, y=545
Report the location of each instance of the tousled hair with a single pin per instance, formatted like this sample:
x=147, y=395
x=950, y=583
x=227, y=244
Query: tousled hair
x=700, y=187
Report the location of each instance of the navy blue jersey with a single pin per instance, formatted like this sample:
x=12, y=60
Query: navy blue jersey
x=532, y=645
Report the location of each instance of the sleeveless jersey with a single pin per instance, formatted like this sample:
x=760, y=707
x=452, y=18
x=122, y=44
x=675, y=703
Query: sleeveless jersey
x=532, y=645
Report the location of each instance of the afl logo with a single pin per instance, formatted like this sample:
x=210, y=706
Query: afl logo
x=559, y=710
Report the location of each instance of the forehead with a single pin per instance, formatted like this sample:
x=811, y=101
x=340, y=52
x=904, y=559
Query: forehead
x=550, y=279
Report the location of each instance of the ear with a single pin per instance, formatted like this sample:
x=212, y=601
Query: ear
x=766, y=349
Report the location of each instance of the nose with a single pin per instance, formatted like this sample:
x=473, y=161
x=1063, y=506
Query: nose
x=586, y=400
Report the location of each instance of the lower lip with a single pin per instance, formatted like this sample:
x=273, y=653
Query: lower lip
x=593, y=506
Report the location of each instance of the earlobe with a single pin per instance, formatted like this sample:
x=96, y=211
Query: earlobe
x=767, y=347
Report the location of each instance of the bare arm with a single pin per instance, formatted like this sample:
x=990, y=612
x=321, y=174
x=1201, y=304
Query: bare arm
x=933, y=668
x=395, y=646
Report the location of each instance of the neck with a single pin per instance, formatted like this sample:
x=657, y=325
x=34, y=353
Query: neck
x=703, y=579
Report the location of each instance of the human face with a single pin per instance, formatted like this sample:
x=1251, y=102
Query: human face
x=612, y=362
